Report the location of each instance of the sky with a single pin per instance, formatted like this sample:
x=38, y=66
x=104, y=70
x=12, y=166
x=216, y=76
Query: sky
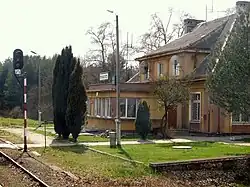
x=46, y=26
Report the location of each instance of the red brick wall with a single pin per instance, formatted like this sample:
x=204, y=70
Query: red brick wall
x=241, y=128
x=195, y=127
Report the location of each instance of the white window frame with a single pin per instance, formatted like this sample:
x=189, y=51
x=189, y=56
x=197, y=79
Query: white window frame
x=126, y=108
x=88, y=107
x=240, y=122
x=98, y=114
x=102, y=105
x=146, y=75
x=190, y=107
x=159, y=69
x=176, y=67
x=105, y=107
x=96, y=106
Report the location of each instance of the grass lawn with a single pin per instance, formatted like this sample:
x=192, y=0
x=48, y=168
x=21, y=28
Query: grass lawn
x=10, y=122
x=11, y=137
x=83, y=162
x=164, y=152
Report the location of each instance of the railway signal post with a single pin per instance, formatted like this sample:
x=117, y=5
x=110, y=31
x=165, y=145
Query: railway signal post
x=18, y=66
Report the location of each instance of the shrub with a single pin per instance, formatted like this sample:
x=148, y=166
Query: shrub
x=143, y=122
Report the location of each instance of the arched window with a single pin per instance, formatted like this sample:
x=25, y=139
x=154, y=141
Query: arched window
x=174, y=61
x=144, y=69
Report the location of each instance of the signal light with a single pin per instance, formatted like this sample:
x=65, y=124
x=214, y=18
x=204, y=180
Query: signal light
x=18, y=59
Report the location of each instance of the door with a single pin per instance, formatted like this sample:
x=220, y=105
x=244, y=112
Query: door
x=172, y=119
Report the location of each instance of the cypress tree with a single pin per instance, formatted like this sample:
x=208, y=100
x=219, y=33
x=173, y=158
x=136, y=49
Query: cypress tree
x=143, y=123
x=76, y=101
x=60, y=87
x=56, y=98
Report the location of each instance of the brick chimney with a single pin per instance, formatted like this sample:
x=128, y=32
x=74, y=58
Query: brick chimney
x=242, y=6
x=190, y=24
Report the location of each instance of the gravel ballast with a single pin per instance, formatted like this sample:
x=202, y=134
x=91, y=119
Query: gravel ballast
x=10, y=175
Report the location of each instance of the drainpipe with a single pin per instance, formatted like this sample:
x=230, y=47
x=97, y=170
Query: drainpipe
x=208, y=123
x=218, y=129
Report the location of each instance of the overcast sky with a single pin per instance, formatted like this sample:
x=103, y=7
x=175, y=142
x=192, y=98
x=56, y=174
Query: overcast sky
x=46, y=26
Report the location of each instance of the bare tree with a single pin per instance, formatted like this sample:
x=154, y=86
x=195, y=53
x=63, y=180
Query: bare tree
x=100, y=37
x=159, y=33
x=103, y=57
x=179, y=27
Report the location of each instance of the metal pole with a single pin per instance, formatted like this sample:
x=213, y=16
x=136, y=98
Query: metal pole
x=25, y=111
x=39, y=94
x=45, y=134
x=118, y=124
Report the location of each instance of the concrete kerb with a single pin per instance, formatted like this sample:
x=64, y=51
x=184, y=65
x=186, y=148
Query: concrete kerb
x=11, y=144
x=116, y=156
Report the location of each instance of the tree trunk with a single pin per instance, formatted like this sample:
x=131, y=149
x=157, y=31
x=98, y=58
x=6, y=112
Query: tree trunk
x=103, y=57
x=164, y=125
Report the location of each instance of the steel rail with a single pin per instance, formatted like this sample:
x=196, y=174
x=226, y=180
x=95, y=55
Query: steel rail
x=41, y=183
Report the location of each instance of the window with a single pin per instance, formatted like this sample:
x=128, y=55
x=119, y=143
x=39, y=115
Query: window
x=146, y=73
x=122, y=107
x=176, y=67
x=97, y=107
x=146, y=76
x=102, y=107
x=159, y=69
x=107, y=107
x=128, y=107
x=88, y=106
x=131, y=108
x=240, y=118
x=144, y=69
x=195, y=107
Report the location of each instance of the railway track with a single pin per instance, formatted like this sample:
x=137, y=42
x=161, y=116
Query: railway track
x=24, y=170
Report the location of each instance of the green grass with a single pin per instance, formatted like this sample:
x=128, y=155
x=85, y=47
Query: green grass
x=164, y=152
x=10, y=122
x=83, y=162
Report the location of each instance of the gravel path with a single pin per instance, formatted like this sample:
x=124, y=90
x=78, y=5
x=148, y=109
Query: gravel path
x=11, y=176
